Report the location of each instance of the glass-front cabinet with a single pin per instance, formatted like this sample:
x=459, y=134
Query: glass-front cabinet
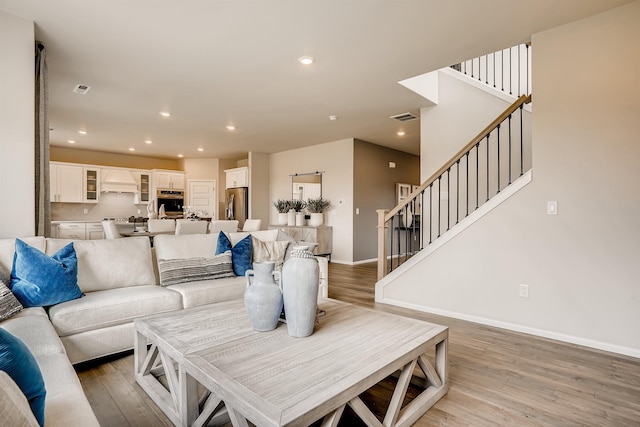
x=145, y=187
x=91, y=185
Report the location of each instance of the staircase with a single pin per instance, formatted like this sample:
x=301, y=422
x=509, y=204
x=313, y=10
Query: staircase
x=486, y=166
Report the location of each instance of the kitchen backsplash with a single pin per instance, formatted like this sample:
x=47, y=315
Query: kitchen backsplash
x=111, y=205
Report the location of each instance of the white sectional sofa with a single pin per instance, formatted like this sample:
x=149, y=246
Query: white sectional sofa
x=119, y=279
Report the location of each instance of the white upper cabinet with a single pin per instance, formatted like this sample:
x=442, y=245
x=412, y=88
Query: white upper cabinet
x=91, y=181
x=67, y=183
x=237, y=177
x=168, y=180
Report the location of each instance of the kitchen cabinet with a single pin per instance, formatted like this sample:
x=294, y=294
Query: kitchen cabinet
x=322, y=235
x=71, y=230
x=91, y=182
x=237, y=177
x=169, y=180
x=66, y=183
x=145, y=187
x=93, y=231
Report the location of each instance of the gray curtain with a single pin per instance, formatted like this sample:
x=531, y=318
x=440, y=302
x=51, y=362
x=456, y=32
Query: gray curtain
x=43, y=204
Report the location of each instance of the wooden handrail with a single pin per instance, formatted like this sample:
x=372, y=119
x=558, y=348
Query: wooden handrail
x=524, y=99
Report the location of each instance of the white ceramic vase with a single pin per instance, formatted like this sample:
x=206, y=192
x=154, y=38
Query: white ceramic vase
x=263, y=297
x=291, y=218
x=282, y=218
x=299, y=219
x=300, y=282
x=316, y=219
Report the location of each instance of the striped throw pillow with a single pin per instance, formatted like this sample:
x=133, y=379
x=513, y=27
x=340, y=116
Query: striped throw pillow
x=174, y=271
x=9, y=304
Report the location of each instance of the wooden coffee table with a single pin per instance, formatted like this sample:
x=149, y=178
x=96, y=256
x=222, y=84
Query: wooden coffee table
x=207, y=363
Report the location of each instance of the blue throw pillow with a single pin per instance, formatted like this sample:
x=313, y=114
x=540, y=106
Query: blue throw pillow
x=18, y=362
x=240, y=253
x=39, y=280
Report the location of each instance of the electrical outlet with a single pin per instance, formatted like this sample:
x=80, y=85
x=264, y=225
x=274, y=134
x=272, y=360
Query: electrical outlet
x=524, y=291
x=139, y=211
x=86, y=211
x=357, y=211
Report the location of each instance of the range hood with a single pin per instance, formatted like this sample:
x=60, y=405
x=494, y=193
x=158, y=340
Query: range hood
x=120, y=181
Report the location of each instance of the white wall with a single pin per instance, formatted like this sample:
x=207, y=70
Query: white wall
x=17, y=215
x=336, y=160
x=582, y=264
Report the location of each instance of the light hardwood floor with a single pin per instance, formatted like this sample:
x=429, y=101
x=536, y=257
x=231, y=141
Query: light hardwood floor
x=497, y=377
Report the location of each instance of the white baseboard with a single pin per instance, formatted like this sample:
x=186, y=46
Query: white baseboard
x=599, y=345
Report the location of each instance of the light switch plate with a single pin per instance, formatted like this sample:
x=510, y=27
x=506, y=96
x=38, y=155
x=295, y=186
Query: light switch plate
x=552, y=207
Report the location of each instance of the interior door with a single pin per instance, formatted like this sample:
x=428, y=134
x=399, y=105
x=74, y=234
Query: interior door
x=201, y=197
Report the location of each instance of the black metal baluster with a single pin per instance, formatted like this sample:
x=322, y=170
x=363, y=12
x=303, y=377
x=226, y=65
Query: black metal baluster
x=510, y=157
x=487, y=167
x=527, y=45
x=477, y=173
x=521, y=142
x=430, y=212
x=467, y=189
x=391, y=245
x=439, y=208
x=510, y=74
x=486, y=69
x=502, y=68
x=448, y=197
x=518, y=70
x=494, y=69
x=498, y=158
x=457, y=191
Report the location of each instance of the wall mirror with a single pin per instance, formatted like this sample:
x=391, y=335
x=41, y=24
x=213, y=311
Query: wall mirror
x=306, y=185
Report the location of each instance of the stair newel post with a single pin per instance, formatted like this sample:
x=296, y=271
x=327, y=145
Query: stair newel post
x=382, y=243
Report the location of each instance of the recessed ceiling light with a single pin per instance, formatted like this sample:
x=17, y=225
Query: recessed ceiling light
x=148, y=141
x=333, y=117
x=71, y=141
x=231, y=127
x=132, y=149
x=306, y=60
x=180, y=155
x=400, y=133
x=165, y=114
x=200, y=149
x=82, y=132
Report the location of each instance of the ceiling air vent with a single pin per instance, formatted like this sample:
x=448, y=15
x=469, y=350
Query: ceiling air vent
x=81, y=89
x=404, y=117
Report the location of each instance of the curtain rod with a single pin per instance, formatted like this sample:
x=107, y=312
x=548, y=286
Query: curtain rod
x=308, y=173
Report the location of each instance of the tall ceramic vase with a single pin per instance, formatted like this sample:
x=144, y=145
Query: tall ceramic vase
x=282, y=218
x=263, y=297
x=300, y=282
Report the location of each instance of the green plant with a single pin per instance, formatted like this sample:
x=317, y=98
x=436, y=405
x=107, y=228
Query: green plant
x=298, y=205
x=318, y=205
x=282, y=206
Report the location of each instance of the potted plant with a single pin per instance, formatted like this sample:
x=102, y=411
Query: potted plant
x=297, y=205
x=316, y=207
x=282, y=206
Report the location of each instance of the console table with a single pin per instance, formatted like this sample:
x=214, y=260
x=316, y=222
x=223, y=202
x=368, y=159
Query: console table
x=322, y=235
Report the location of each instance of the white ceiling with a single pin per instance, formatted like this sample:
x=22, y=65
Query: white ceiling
x=216, y=62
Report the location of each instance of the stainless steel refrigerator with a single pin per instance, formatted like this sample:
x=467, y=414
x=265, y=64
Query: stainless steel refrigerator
x=237, y=204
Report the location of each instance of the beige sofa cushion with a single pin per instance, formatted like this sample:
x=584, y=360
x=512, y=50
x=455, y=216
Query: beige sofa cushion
x=8, y=247
x=14, y=408
x=66, y=403
x=110, y=263
x=210, y=291
x=35, y=330
x=169, y=246
x=111, y=307
x=264, y=235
